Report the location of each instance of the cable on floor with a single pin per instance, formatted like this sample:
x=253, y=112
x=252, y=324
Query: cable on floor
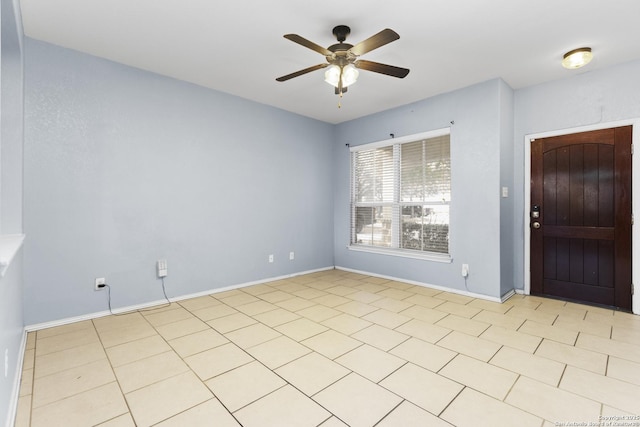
x=164, y=292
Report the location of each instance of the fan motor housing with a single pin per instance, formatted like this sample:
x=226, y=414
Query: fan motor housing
x=341, y=55
x=341, y=32
x=340, y=47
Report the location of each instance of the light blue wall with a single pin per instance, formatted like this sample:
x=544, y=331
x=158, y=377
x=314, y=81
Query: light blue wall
x=11, y=314
x=476, y=143
x=507, y=210
x=592, y=98
x=12, y=129
x=124, y=167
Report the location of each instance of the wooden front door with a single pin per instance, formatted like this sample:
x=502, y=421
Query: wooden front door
x=580, y=217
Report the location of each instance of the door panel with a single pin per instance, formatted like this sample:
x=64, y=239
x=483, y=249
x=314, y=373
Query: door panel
x=582, y=186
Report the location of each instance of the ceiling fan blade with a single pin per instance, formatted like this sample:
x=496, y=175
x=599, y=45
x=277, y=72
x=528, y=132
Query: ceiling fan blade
x=377, y=40
x=377, y=67
x=301, y=72
x=306, y=43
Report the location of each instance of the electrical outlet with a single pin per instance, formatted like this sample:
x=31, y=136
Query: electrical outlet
x=465, y=270
x=162, y=268
x=292, y=256
x=100, y=284
x=271, y=258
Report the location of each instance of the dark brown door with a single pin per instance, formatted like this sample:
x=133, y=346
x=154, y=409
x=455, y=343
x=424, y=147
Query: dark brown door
x=581, y=233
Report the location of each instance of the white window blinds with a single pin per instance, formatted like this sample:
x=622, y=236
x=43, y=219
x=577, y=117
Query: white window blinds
x=374, y=174
x=401, y=194
x=425, y=194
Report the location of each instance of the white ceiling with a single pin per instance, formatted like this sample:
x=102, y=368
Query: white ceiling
x=237, y=46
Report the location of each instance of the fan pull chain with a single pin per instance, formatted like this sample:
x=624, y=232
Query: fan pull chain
x=340, y=86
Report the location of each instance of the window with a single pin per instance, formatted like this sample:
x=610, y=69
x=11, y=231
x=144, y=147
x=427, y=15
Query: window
x=400, y=195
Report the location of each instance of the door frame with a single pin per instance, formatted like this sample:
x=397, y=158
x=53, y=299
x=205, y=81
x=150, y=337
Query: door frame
x=635, y=201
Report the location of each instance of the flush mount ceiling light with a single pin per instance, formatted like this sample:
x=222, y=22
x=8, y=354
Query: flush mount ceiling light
x=342, y=58
x=577, y=58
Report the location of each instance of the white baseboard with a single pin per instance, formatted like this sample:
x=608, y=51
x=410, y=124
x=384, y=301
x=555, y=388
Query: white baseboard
x=508, y=295
x=428, y=285
x=17, y=380
x=131, y=308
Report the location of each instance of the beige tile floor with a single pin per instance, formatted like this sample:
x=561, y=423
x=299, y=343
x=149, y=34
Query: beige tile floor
x=335, y=348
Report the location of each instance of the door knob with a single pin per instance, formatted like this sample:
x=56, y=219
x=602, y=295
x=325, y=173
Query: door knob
x=535, y=224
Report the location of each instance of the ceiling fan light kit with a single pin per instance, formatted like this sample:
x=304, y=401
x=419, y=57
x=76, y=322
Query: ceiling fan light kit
x=342, y=58
x=348, y=73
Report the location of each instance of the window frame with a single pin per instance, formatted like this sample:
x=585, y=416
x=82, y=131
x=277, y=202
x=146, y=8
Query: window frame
x=397, y=203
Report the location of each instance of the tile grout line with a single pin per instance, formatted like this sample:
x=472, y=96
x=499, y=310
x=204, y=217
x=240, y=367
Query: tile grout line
x=269, y=369
x=464, y=387
x=171, y=349
x=544, y=420
x=203, y=381
x=124, y=398
x=392, y=409
x=333, y=360
x=333, y=283
x=84, y=364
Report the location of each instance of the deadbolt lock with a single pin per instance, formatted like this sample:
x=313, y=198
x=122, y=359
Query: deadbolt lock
x=535, y=211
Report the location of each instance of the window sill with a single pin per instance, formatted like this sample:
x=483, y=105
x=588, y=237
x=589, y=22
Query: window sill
x=427, y=256
x=9, y=246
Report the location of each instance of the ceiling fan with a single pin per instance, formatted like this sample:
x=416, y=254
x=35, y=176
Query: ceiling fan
x=342, y=58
